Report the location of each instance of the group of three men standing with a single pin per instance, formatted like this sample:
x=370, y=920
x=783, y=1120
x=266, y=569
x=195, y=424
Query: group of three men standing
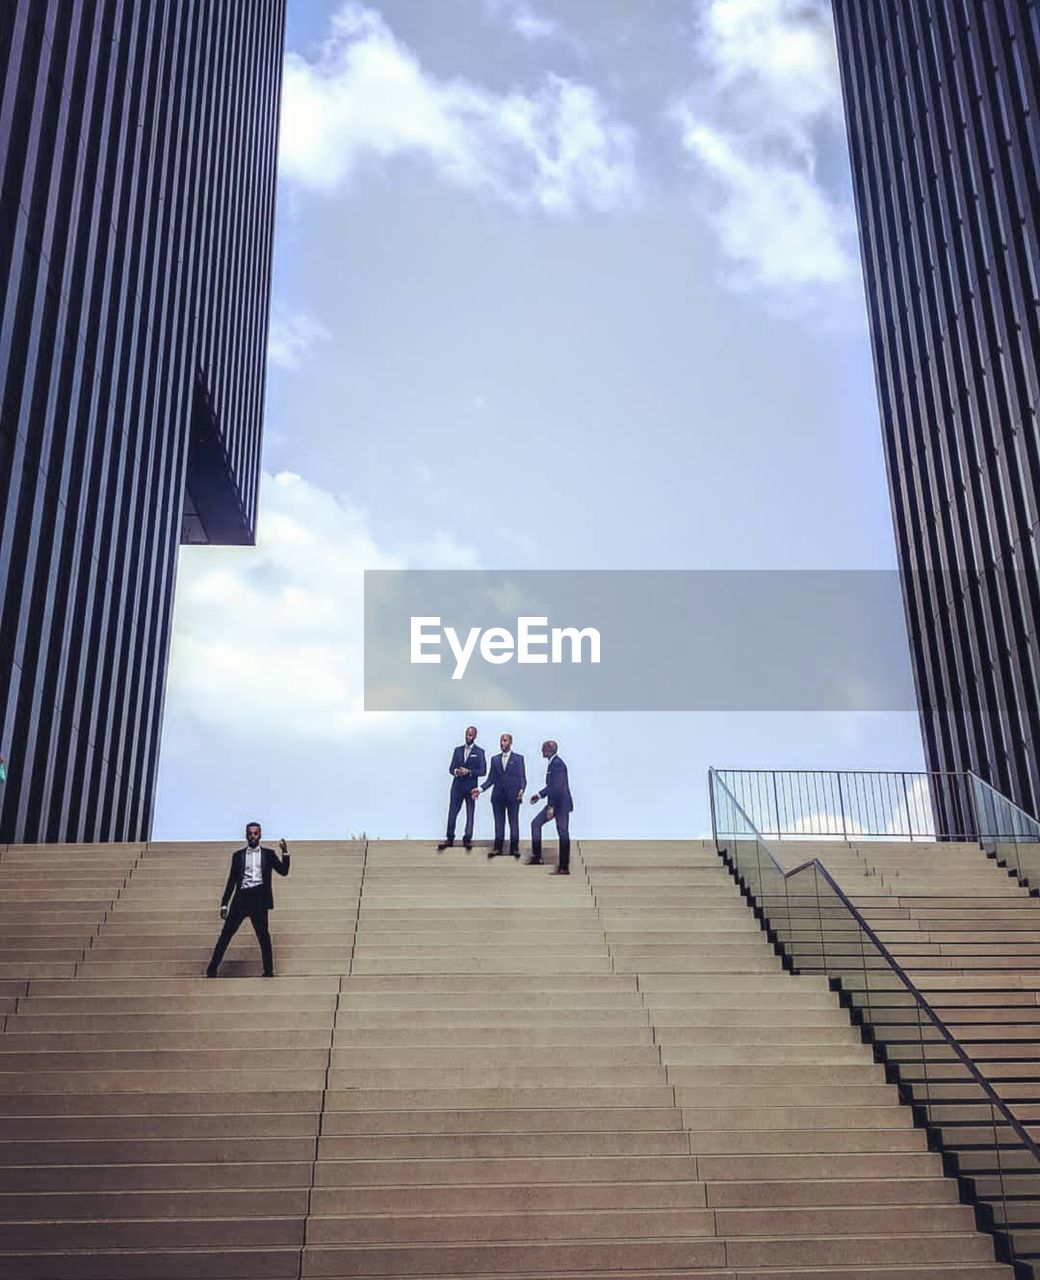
x=507, y=779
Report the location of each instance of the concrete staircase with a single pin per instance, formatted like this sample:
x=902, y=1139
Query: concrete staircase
x=968, y=934
x=466, y=1068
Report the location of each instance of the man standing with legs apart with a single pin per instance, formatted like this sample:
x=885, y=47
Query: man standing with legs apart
x=507, y=780
x=468, y=763
x=248, y=896
x=557, y=792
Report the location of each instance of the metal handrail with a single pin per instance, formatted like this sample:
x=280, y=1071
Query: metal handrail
x=921, y=1000
x=871, y=804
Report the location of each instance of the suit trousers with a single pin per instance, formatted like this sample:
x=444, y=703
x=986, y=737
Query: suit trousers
x=247, y=904
x=460, y=793
x=563, y=834
x=501, y=808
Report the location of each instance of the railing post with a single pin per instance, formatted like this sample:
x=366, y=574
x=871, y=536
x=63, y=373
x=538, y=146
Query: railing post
x=841, y=802
x=906, y=801
x=970, y=777
x=711, y=800
x=776, y=805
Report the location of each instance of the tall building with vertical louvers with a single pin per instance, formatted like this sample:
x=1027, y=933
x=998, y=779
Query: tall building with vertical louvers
x=138, y=145
x=942, y=102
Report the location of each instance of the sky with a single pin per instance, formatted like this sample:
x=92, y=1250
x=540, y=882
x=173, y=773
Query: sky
x=558, y=284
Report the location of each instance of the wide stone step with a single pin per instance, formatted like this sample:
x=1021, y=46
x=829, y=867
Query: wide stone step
x=186, y=1233
x=759, y=1118
x=346, y=1057
x=267, y=1263
x=464, y=1146
x=247, y=1078
x=233, y=1101
x=616, y=1224
x=504, y=1198
x=519, y=1035
x=158, y=1151
x=835, y=1191
x=502, y=1121
x=83, y=1128
x=834, y=1032
x=509, y=1076
x=622, y=1015
x=803, y=1141
x=171, y=1059
x=331, y=1261
x=832, y=1164
x=58, y=1180
x=847, y=1051
x=549, y=1259
x=484, y=1097
x=231, y=1018
x=101, y=1043
x=498, y=1169
x=767, y=1095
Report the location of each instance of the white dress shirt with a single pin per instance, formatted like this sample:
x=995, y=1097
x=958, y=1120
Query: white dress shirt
x=505, y=760
x=253, y=876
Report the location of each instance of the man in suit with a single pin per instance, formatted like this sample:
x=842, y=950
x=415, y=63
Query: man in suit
x=468, y=763
x=557, y=792
x=248, y=896
x=507, y=779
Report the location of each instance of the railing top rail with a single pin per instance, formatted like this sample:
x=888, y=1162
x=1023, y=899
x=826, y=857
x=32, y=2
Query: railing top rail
x=1017, y=1127
x=872, y=773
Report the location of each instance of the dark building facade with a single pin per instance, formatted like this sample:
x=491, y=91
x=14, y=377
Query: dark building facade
x=138, y=143
x=942, y=102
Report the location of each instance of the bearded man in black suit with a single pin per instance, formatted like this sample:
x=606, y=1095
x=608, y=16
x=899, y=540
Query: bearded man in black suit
x=248, y=896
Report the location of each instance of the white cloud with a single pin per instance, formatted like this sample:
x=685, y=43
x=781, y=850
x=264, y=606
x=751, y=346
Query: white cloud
x=274, y=634
x=526, y=20
x=772, y=218
x=768, y=98
x=366, y=96
x=778, y=55
x=292, y=336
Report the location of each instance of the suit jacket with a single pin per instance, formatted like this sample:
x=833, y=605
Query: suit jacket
x=506, y=785
x=477, y=766
x=269, y=861
x=557, y=789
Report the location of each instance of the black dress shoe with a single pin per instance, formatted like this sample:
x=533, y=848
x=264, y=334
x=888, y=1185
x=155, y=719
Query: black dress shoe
x=211, y=973
x=267, y=973
x=560, y=871
x=535, y=862
x=445, y=844
x=467, y=845
x=494, y=853
x=514, y=853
